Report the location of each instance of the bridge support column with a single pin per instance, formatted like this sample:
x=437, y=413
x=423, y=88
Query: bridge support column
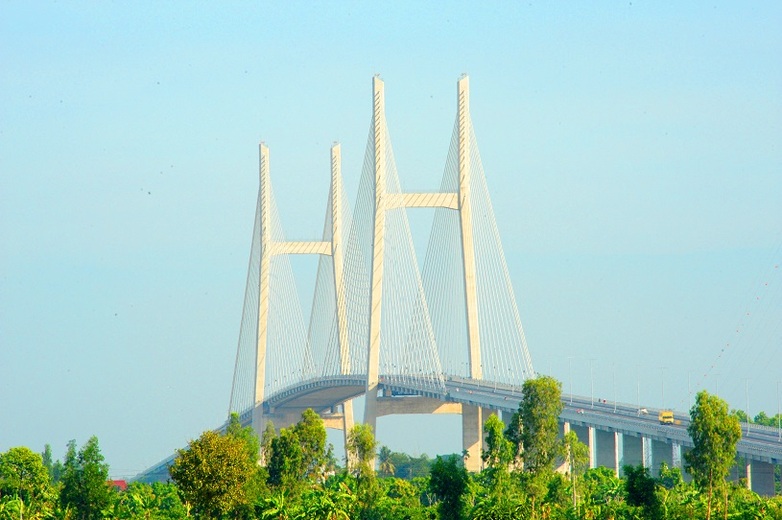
x=760, y=478
x=592, y=446
x=347, y=422
x=633, y=450
x=618, y=453
x=646, y=452
x=661, y=452
x=605, y=449
x=472, y=437
x=676, y=455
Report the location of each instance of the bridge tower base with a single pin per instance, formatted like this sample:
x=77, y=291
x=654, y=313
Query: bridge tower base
x=760, y=478
x=473, y=418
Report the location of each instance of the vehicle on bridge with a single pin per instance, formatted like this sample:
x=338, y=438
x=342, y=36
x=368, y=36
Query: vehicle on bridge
x=666, y=417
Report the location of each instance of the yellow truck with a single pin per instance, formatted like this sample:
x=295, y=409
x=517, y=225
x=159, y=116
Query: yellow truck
x=666, y=417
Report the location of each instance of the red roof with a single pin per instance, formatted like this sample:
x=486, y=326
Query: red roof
x=119, y=485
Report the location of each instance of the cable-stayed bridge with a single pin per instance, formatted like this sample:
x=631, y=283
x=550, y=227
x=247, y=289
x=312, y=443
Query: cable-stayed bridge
x=441, y=337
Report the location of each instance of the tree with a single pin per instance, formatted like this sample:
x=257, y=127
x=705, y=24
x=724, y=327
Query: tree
x=312, y=437
x=539, y=411
x=254, y=487
x=641, y=491
x=361, y=450
x=269, y=434
x=576, y=457
x=714, y=434
x=156, y=501
x=84, y=481
x=285, y=462
x=24, y=476
x=246, y=434
x=385, y=463
x=498, y=453
x=211, y=474
x=448, y=482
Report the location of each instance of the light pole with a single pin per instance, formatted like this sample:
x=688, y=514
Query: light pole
x=591, y=383
x=779, y=417
x=638, y=386
x=570, y=376
x=662, y=384
x=614, y=381
x=746, y=393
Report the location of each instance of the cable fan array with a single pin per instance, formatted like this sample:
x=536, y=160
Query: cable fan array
x=423, y=326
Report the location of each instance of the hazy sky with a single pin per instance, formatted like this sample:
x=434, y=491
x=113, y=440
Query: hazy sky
x=633, y=153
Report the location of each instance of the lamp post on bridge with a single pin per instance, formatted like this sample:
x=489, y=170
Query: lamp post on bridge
x=591, y=383
x=570, y=376
x=638, y=386
x=779, y=417
x=614, y=381
x=662, y=385
x=746, y=393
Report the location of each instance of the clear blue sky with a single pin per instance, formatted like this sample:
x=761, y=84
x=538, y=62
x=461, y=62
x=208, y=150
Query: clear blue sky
x=633, y=153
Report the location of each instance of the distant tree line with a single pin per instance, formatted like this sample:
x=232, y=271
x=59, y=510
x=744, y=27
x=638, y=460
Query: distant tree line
x=529, y=471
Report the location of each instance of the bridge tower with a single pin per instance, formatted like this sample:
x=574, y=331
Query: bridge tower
x=452, y=197
x=267, y=246
x=459, y=201
x=378, y=321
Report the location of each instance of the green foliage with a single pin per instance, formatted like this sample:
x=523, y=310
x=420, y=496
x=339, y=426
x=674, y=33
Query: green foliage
x=539, y=412
x=266, y=442
x=576, y=455
x=23, y=475
x=714, y=433
x=53, y=467
x=212, y=474
x=246, y=435
x=298, y=453
x=385, y=465
x=328, y=504
x=449, y=493
x=641, y=491
x=400, y=499
x=361, y=450
x=406, y=466
x=149, y=501
x=312, y=438
x=286, y=460
x=498, y=453
x=84, y=481
x=670, y=477
x=448, y=483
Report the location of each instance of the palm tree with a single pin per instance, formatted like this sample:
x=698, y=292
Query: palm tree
x=385, y=466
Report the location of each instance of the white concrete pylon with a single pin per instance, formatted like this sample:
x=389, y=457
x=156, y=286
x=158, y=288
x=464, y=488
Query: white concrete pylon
x=339, y=281
x=337, y=257
x=465, y=224
x=384, y=201
x=263, y=297
x=378, y=252
x=270, y=248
